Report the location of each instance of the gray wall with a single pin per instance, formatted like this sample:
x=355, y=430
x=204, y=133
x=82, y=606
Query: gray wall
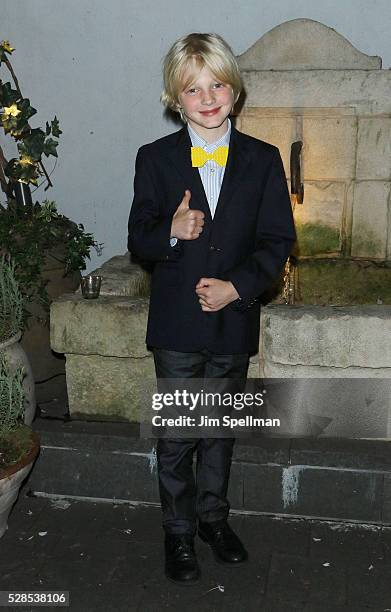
x=97, y=66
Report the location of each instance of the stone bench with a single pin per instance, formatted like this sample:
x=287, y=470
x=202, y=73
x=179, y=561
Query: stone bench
x=336, y=364
x=326, y=341
x=110, y=372
x=107, y=362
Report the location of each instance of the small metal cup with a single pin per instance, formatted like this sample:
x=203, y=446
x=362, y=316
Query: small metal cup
x=90, y=286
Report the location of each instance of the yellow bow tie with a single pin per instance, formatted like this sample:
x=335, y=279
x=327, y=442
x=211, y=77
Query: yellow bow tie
x=199, y=157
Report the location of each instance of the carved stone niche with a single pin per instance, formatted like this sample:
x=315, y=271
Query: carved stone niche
x=304, y=81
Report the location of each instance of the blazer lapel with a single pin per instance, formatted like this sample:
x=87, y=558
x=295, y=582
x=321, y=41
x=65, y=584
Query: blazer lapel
x=238, y=159
x=181, y=158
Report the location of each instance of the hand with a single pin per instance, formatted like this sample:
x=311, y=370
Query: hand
x=214, y=294
x=187, y=224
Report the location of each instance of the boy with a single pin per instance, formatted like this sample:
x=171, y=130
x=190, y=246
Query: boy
x=212, y=210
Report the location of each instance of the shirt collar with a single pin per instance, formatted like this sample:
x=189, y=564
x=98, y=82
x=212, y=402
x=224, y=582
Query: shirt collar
x=197, y=141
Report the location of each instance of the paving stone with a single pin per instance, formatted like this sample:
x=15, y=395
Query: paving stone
x=69, y=516
x=261, y=449
x=83, y=560
x=25, y=513
x=289, y=578
x=345, y=544
x=235, y=486
x=297, y=578
x=331, y=493
x=325, y=607
x=240, y=589
x=386, y=511
x=75, y=472
x=341, y=453
x=386, y=543
x=22, y=558
x=371, y=587
x=92, y=435
x=131, y=523
x=273, y=533
x=256, y=495
x=105, y=598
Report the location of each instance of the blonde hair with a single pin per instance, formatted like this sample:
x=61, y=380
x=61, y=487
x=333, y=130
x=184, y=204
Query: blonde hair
x=196, y=51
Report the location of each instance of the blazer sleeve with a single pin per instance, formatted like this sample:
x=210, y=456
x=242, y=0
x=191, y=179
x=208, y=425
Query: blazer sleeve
x=148, y=228
x=275, y=236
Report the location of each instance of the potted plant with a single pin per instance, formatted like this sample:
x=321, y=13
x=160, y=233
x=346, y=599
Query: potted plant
x=48, y=249
x=19, y=445
x=11, y=322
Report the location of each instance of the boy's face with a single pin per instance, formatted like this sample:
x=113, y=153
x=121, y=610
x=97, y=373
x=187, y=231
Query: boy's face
x=206, y=103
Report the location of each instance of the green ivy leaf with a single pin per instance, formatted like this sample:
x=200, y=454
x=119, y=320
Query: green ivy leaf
x=9, y=124
x=50, y=147
x=26, y=111
x=56, y=128
x=8, y=95
x=25, y=173
x=33, y=144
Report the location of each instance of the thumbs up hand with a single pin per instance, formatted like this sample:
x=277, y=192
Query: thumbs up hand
x=187, y=223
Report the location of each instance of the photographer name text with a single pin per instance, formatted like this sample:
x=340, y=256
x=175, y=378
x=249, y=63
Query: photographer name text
x=205, y=421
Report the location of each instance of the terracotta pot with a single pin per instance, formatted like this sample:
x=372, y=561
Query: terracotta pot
x=11, y=480
x=16, y=356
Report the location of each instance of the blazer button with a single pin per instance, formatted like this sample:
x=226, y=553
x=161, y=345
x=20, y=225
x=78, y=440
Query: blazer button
x=212, y=247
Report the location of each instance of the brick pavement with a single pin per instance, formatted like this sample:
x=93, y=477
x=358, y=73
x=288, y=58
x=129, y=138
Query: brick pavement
x=110, y=557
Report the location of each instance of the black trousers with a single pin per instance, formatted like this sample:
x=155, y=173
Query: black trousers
x=184, y=498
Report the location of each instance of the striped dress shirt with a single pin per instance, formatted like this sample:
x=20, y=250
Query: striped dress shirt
x=211, y=173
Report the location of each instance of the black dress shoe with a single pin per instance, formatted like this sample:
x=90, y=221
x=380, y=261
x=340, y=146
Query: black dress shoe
x=181, y=561
x=226, y=546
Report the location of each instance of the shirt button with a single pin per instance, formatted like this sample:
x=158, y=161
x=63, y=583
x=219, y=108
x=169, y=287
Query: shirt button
x=212, y=170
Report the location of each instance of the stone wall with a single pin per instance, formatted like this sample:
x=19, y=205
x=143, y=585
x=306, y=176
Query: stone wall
x=304, y=81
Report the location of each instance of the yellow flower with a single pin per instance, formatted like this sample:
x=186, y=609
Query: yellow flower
x=25, y=160
x=6, y=46
x=11, y=111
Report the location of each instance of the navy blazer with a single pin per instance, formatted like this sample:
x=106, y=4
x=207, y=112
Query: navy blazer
x=247, y=241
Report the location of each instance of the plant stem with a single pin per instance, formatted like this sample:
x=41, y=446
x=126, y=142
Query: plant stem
x=8, y=64
x=50, y=184
x=3, y=180
x=2, y=158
